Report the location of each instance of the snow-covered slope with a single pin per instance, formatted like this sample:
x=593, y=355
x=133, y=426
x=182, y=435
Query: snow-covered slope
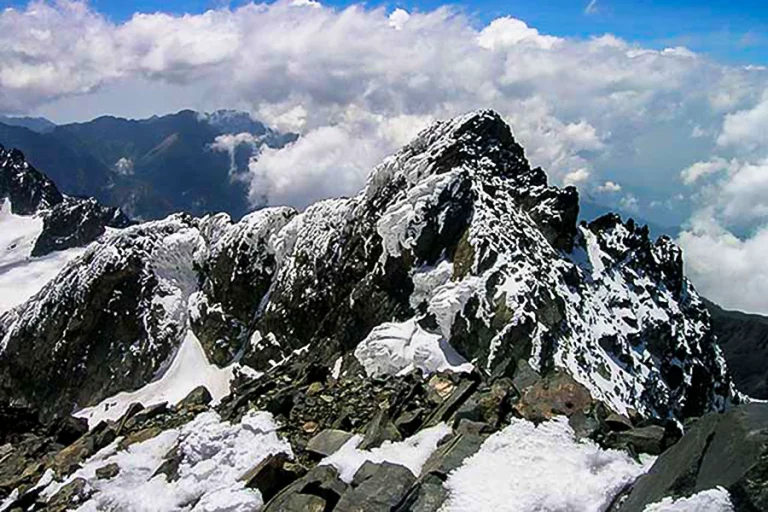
x=21, y=274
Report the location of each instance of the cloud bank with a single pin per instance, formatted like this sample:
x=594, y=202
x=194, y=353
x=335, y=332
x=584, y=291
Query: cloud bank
x=640, y=127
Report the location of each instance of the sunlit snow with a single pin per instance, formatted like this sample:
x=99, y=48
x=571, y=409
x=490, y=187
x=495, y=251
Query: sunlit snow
x=711, y=500
x=411, y=453
x=189, y=369
x=215, y=455
x=21, y=275
x=543, y=468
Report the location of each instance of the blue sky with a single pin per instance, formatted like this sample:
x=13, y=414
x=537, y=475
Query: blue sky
x=733, y=31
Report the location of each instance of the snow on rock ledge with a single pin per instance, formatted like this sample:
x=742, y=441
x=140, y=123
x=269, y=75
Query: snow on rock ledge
x=189, y=369
x=393, y=348
x=543, y=468
x=214, y=455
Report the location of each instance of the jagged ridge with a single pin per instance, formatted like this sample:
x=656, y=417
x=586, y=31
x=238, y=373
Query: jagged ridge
x=454, y=236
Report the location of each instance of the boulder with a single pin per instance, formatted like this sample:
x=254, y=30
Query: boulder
x=327, y=442
x=650, y=439
x=377, y=488
x=111, y=470
x=321, y=481
x=556, y=394
x=198, y=397
x=70, y=496
x=378, y=430
x=525, y=376
x=69, y=429
x=272, y=475
x=729, y=450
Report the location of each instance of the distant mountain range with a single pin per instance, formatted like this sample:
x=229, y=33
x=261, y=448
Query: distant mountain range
x=150, y=168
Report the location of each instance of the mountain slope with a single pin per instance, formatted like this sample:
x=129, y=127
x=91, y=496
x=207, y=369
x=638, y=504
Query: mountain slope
x=36, y=124
x=153, y=167
x=371, y=346
x=744, y=340
x=454, y=241
x=41, y=229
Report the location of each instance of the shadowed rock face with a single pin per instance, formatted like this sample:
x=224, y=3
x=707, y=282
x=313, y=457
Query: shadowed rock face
x=721, y=450
x=67, y=221
x=744, y=340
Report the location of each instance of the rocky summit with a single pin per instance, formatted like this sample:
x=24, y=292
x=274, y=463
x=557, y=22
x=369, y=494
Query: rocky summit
x=451, y=338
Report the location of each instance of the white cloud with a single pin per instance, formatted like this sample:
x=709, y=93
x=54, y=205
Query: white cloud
x=700, y=169
x=228, y=143
x=398, y=18
x=576, y=177
x=726, y=269
x=609, y=187
x=591, y=7
x=330, y=160
x=507, y=32
x=629, y=203
x=747, y=129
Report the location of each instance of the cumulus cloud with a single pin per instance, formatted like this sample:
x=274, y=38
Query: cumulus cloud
x=748, y=128
x=698, y=170
x=330, y=160
x=576, y=177
x=357, y=82
x=630, y=203
x=575, y=104
x=726, y=269
x=609, y=187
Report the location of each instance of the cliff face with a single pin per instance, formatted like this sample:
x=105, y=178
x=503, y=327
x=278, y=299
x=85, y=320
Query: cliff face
x=744, y=341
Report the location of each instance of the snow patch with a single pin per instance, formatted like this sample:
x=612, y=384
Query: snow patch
x=215, y=454
x=543, y=468
x=411, y=453
x=394, y=347
x=711, y=500
x=190, y=368
x=21, y=275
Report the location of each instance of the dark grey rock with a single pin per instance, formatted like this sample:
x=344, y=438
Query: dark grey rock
x=650, y=439
x=70, y=496
x=525, y=376
x=109, y=471
x=378, y=430
x=409, y=421
x=303, y=503
x=320, y=481
x=729, y=450
x=618, y=422
x=170, y=465
x=379, y=488
x=198, y=397
x=328, y=441
x=271, y=475
x=69, y=429
x=452, y=454
x=451, y=405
